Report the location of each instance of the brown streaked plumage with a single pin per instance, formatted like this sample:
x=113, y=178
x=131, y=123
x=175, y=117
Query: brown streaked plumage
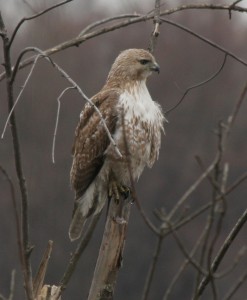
x=124, y=102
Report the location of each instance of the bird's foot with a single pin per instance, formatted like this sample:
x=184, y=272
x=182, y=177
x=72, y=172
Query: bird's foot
x=116, y=189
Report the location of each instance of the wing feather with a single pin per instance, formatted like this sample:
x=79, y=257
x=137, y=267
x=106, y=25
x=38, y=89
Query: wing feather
x=91, y=140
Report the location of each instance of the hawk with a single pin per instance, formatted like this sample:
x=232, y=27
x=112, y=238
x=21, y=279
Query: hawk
x=135, y=122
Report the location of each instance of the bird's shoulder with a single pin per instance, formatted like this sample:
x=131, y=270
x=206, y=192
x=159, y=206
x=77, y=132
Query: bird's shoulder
x=90, y=122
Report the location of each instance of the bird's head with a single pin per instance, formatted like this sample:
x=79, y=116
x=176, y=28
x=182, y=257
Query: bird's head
x=133, y=64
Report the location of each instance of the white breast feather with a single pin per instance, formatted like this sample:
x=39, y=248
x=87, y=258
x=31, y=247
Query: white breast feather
x=138, y=105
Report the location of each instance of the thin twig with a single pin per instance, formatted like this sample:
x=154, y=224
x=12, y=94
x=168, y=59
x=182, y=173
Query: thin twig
x=30, y=6
x=221, y=253
x=78, y=252
x=21, y=249
x=38, y=281
x=78, y=40
x=218, y=193
x=236, y=261
x=236, y=183
x=152, y=268
x=27, y=272
x=12, y=285
x=107, y=20
x=236, y=286
x=57, y=119
x=18, y=97
x=197, y=266
x=191, y=189
x=197, y=85
x=76, y=86
x=231, y=6
x=205, y=207
x=237, y=106
x=182, y=267
x=33, y=17
x=143, y=214
x=156, y=32
x=207, y=41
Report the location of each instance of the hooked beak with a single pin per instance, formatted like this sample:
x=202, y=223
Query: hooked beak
x=155, y=67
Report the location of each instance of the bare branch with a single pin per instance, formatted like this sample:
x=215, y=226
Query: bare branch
x=18, y=97
x=33, y=17
x=78, y=40
x=197, y=85
x=107, y=20
x=236, y=183
x=221, y=253
x=183, y=266
x=236, y=261
x=76, y=86
x=236, y=286
x=30, y=6
x=12, y=285
x=140, y=18
x=27, y=273
x=231, y=6
x=152, y=268
x=197, y=266
x=200, y=37
x=21, y=249
x=57, y=119
x=233, y=116
x=204, y=208
x=191, y=189
x=40, y=276
x=78, y=252
x=223, y=7
x=156, y=32
x=142, y=212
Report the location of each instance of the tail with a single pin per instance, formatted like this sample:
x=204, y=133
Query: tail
x=76, y=225
x=90, y=203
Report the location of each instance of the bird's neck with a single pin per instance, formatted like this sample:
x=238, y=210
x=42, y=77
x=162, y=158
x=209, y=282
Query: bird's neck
x=125, y=84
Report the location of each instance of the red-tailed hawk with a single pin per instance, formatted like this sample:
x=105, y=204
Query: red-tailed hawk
x=135, y=122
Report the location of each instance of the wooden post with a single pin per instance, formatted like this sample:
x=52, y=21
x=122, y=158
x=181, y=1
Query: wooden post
x=111, y=251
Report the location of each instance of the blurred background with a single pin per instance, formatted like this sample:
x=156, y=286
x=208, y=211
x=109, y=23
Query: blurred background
x=184, y=61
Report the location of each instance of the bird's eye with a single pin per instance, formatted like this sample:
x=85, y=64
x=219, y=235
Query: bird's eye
x=144, y=61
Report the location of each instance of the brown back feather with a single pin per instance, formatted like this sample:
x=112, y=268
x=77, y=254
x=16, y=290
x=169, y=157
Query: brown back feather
x=91, y=140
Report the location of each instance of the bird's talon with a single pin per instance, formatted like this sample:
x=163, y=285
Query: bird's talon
x=125, y=191
x=115, y=189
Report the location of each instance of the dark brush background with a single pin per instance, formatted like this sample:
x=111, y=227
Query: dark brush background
x=184, y=61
